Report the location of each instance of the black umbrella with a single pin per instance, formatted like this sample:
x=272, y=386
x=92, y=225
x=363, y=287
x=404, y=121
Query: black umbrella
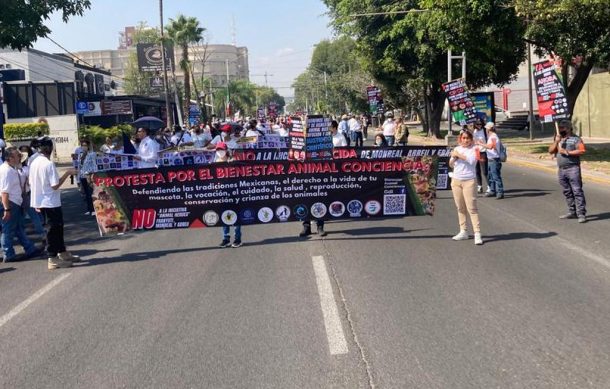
x=150, y=122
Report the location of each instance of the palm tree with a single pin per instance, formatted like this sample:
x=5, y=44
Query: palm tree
x=183, y=31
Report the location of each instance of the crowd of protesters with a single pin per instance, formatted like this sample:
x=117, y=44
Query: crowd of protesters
x=30, y=182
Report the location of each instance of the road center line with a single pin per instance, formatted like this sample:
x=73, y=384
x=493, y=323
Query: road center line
x=332, y=321
x=19, y=308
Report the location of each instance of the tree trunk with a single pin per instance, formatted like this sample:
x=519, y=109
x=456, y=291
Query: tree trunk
x=434, y=100
x=426, y=116
x=187, y=83
x=578, y=82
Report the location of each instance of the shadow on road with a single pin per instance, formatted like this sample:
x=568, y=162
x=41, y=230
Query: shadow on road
x=599, y=216
x=374, y=231
x=519, y=235
x=514, y=193
x=7, y=269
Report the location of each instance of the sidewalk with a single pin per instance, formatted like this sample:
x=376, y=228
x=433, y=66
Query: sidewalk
x=517, y=140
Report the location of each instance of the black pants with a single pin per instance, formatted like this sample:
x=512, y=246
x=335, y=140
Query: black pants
x=55, y=234
x=307, y=223
x=87, y=191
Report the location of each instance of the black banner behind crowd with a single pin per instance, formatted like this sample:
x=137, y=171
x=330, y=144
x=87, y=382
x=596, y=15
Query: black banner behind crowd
x=260, y=186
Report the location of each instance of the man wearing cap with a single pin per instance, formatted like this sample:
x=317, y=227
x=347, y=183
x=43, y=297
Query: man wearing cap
x=568, y=148
x=46, y=198
x=495, y=184
x=389, y=128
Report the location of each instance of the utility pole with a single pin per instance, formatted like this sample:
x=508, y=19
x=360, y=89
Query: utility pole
x=168, y=110
x=228, y=97
x=530, y=114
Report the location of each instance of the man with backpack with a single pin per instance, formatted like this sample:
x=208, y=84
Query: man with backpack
x=494, y=149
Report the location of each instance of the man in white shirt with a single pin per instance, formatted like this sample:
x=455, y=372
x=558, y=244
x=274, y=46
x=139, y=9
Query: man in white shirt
x=389, y=128
x=12, y=215
x=338, y=138
x=344, y=128
x=355, y=129
x=148, y=149
x=46, y=198
x=181, y=137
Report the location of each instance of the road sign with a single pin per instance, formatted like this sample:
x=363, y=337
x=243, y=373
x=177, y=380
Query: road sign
x=82, y=107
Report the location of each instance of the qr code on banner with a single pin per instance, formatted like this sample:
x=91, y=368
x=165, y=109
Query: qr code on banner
x=441, y=182
x=394, y=204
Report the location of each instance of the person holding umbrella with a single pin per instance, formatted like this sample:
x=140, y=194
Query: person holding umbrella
x=148, y=149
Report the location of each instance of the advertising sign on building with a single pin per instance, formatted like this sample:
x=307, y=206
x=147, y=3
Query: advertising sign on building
x=150, y=58
x=119, y=107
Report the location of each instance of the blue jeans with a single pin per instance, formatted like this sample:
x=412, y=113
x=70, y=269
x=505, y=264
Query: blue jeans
x=357, y=138
x=36, y=218
x=571, y=184
x=390, y=140
x=494, y=176
x=13, y=227
x=226, y=232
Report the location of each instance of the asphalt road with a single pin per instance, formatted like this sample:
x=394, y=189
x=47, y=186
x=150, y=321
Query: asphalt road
x=384, y=303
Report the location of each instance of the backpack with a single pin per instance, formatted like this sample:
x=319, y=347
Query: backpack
x=502, y=152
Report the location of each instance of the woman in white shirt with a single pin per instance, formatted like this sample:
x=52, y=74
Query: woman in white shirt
x=464, y=186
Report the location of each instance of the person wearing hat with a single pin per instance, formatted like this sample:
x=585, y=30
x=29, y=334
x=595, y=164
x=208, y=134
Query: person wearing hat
x=495, y=185
x=568, y=148
x=46, y=198
x=389, y=128
x=181, y=137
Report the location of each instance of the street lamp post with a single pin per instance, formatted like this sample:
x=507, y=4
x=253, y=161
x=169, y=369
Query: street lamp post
x=168, y=110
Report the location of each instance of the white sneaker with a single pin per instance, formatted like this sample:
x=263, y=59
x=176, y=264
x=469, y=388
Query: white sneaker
x=463, y=235
x=477, y=238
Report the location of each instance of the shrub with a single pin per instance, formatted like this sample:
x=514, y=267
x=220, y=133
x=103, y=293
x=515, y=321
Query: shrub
x=97, y=135
x=17, y=131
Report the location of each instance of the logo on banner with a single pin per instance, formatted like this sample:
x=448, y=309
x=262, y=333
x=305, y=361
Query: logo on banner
x=300, y=211
x=247, y=216
x=372, y=207
x=336, y=209
x=283, y=213
x=211, y=218
x=318, y=210
x=229, y=217
x=354, y=208
x=265, y=214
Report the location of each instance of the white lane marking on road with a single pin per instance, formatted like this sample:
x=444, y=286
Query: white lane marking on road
x=19, y=308
x=332, y=322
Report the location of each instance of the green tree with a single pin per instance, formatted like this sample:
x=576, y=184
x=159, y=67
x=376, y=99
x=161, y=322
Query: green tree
x=398, y=48
x=137, y=82
x=184, y=31
x=576, y=31
x=23, y=22
x=334, y=81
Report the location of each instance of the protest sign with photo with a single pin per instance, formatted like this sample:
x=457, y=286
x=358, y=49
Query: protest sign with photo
x=552, y=100
x=318, y=140
x=297, y=138
x=374, y=98
x=260, y=186
x=460, y=102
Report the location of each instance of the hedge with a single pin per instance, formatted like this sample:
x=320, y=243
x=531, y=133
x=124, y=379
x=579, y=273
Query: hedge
x=17, y=131
x=97, y=135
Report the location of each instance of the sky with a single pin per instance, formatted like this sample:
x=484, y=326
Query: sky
x=279, y=35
